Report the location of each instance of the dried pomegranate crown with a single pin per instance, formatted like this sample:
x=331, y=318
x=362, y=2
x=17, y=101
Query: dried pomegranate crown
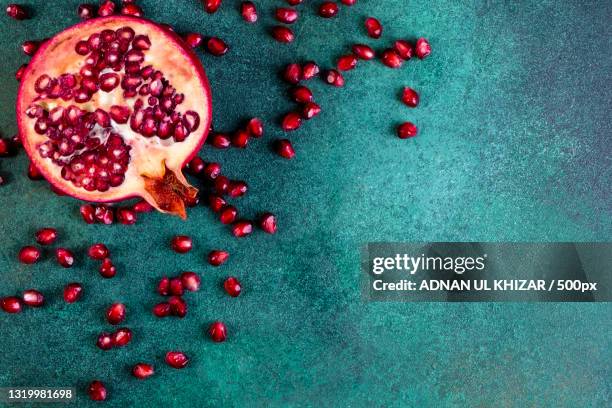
x=112, y=108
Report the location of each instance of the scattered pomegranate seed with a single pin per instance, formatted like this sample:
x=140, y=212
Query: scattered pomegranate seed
x=237, y=189
x=216, y=203
x=217, y=257
x=196, y=166
x=104, y=214
x=212, y=171
x=176, y=359
x=310, y=70
x=64, y=257
x=391, y=59
x=291, y=121
x=232, y=286
x=122, y=336
x=301, y=94
x=348, y=2
x=107, y=269
x=34, y=173
x=328, y=9
x=46, y=236
x=286, y=15
x=410, y=97
x=178, y=307
x=242, y=228
x=283, y=34
x=105, y=341
x=194, y=39
x=294, y=2
x=73, y=292
x=106, y=9
x=33, y=298
x=115, y=314
x=29, y=255
x=161, y=309
x=284, y=148
x=267, y=222
x=406, y=130
x=403, y=49
x=163, y=287
x=10, y=304
x=334, y=78
x=363, y=51
x=131, y=10
x=6, y=147
x=98, y=251
x=86, y=11
x=20, y=71
x=87, y=212
x=126, y=216
x=347, y=62
x=248, y=11
x=176, y=287
x=211, y=6
x=292, y=73
x=217, y=332
x=220, y=140
x=216, y=46
x=422, y=49
x=191, y=281
x=221, y=184
x=373, y=27
x=255, y=127
x=16, y=12
x=181, y=244
x=228, y=214
x=240, y=138
x=97, y=391
x=142, y=371
x=310, y=110
x=29, y=47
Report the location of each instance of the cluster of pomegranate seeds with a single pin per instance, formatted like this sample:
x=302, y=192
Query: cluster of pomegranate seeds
x=181, y=244
x=16, y=11
x=115, y=314
x=73, y=292
x=218, y=257
x=217, y=332
x=142, y=371
x=232, y=286
x=176, y=359
x=103, y=214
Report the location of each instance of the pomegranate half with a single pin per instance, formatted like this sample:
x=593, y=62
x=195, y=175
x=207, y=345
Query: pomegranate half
x=112, y=108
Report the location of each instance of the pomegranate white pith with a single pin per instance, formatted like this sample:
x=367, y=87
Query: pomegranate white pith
x=143, y=112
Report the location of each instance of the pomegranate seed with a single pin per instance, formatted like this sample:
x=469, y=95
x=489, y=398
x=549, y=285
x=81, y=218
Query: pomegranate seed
x=291, y=121
x=107, y=269
x=194, y=39
x=248, y=11
x=240, y=138
x=228, y=214
x=97, y=391
x=30, y=47
x=216, y=203
x=232, y=286
x=46, y=236
x=310, y=70
x=181, y=244
x=191, y=281
x=403, y=49
x=212, y=170
x=10, y=304
x=237, y=189
x=104, y=214
x=6, y=148
x=106, y=9
x=115, y=313
x=217, y=332
x=242, y=229
x=310, y=110
x=302, y=94
x=216, y=46
x=255, y=127
x=334, y=78
x=126, y=216
x=105, y=341
x=328, y=9
x=122, y=336
x=363, y=51
x=73, y=292
x=422, y=49
x=217, y=257
x=131, y=10
x=292, y=73
x=220, y=140
x=20, y=71
x=178, y=307
x=176, y=287
x=221, y=184
x=284, y=148
x=348, y=2
x=64, y=257
x=161, y=309
x=86, y=11
x=29, y=255
x=391, y=59
x=406, y=130
x=286, y=15
x=87, y=212
x=16, y=12
x=373, y=27
x=142, y=207
x=142, y=371
x=283, y=34
x=33, y=298
x=294, y=2
x=196, y=166
x=163, y=287
x=98, y=252
x=176, y=359
x=267, y=222
x=410, y=97
x=211, y=6
x=34, y=173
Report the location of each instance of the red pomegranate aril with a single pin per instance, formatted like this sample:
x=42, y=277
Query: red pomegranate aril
x=216, y=46
x=176, y=359
x=292, y=73
x=6, y=148
x=46, y=236
x=232, y=286
x=115, y=314
x=194, y=39
x=221, y=185
x=286, y=15
x=302, y=94
x=88, y=213
x=373, y=27
x=126, y=216
x=328, y=9
x=363, y=51
x=248, y=11
x=240, y=138
x=220, y=140
x=283, y=34
x=131, y=10
x=163, y=287
x=15, y=11
x=334, y=78
x=215, y=202
x=33, y=298
x=105, y=341
x=181, y=244
x=98, y=252
x=20, y=71
x=217, y=332
x=176, y=287
x=142, y=371
x=64, y=257
x=410, y=97
x=391, y=59
x=237, y=189
x=86, y=11
x=422, y=49
x=403, y=49
x=30, y=47
x=195, y=166
x=255, y=127
x=122, y=336
x=212, y=170
x=217, y=257
x=211, y=6
x=310, y=70
x=106, y=9
x=29, y=255
x=178, y=307
x=107, y=269
x=242, y=229
x=191, y=281
x=142, y=207
x=406, y=130
x=267, y=222
x=310, y=110
x=97, y=391
x=292, y=121
x=228, y=214
x=73, y=292
x=348, y=2
x=10, y=304
x=104, y=214
x=294, y=2
x=33, y=172
x=161, y=309
x=284, y=148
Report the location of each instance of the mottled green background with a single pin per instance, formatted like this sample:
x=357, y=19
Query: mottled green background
x=514, y=146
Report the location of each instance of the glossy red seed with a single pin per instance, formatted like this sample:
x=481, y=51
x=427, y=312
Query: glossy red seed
x=46, y=236
x=216, y=203
x=34, y=173
x=194, y=39
x=373, y=27
x=216, y=46
x=211, y=6
x=196, y=166
x=221, y=184
x=20, y=71
x=328, y=9
x=220, y=140
x=237, y=189
x=86, y=11
x=163, y=287
x=87, y=212
x=291, y=121
x=16, y=12
x=309, y=70
x=302, y=94
x=142, y=371
x=178, y=307
x=161, y=309
x=73, y=292
x=363, y=51
x=104, y=214
x=283, y=34
x=142, y=207
x=267, y=222
x=212, y=171
x=181, y=244
x=176, y=359
x=284, y=148
x=242, y=229
x=255, y=127
x=33, y=298
x=105, y=341
x=334, y=78
x=217, y=332
x=406, y=130
x=294, y=2
x=228, y=214
x=248, y=11
x=131, y=10
x=292, y=73
x=232, y=286
x=422, y=49
x=126, y=216
x=10, y=304
x=122, y=336
x=286, y=15
x=30, y=47
x=403, y=49
x=115, y=314
x=390, y=58
x=191, y=281
x=176, y=287
x=98, y=251
x=106, y=9
x=217, y=257
x=64, y=257
x=240, y=138
x=347, y=62
x=29, y=255
x=97, y=391
x=107, y=269
x=310, y=110
x=410, y=97
x=348, y=2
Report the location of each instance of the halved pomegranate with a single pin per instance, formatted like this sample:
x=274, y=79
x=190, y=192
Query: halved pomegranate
x=112, y=108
